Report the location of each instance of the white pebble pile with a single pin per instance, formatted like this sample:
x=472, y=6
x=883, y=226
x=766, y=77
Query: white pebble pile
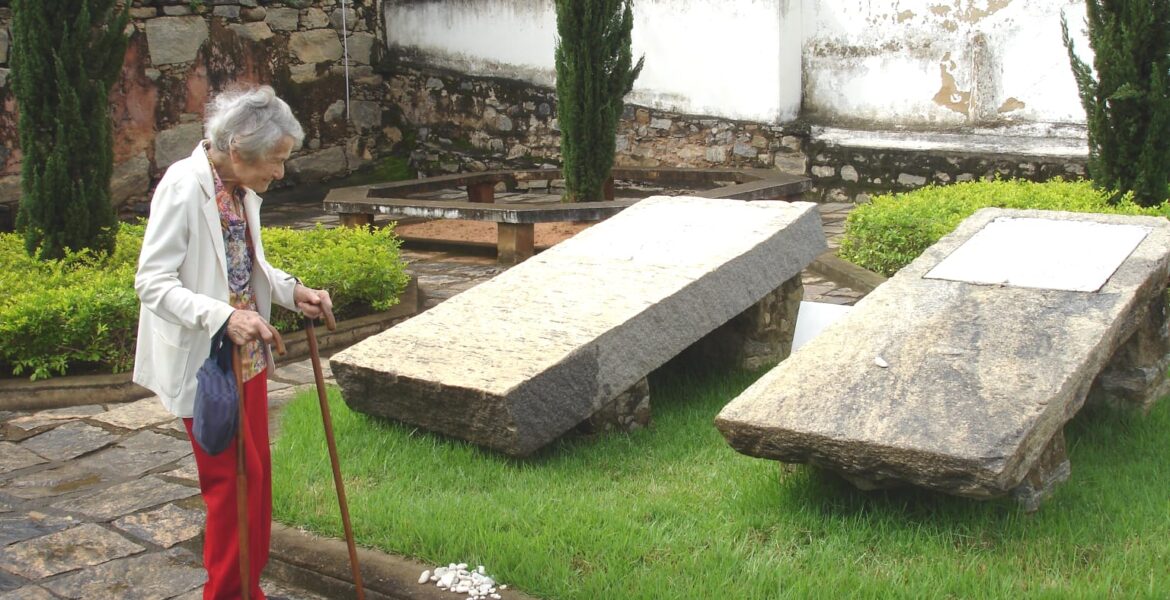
x=457, y=578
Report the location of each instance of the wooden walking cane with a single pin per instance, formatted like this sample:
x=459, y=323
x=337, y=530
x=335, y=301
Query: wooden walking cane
x=241, y=470
x=241, y=478
x=311, y=335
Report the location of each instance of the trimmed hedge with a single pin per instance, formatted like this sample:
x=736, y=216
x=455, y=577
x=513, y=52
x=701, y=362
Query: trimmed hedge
x=81, y=312
x=892, y=230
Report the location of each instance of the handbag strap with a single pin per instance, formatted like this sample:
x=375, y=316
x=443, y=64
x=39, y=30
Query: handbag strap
x=221, y=348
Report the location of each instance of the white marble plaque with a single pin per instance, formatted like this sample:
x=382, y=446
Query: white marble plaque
x=1077, y=256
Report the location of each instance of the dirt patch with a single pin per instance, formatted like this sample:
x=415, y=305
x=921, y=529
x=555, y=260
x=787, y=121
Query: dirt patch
x=547, y=234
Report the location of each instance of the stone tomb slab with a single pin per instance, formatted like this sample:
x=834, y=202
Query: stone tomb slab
x=519, y=360
x=956, y=386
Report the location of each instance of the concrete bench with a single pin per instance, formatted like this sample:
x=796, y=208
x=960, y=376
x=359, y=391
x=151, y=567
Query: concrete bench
x=959, y=373
x=521, y=359
x=358, y=205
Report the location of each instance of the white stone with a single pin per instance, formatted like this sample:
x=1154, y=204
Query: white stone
x=881, y=362
x=1077, y=256
x=425, y=576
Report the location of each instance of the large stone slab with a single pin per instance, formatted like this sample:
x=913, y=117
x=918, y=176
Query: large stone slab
x=952, y=385
x=518, y=360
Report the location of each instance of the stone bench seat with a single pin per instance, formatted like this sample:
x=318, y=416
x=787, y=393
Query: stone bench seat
x=357, y=205
x=958, y=378
x=519, y=360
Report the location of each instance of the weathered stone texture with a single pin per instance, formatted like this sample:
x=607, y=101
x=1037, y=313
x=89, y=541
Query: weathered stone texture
x=3, y=44
x=165, y=526
x=15, y=458
x=82, y=546
x=255, y=32
x=361, y=48
x=69, y=441
x=130, y=179
x=957, y=387
x=146, y=577
x=126, y=498
x=282, y=19
x=174, y=40
x=136, y=415
x=177, y=143
x=519, y=360
x=313, y=167
x=314, y=46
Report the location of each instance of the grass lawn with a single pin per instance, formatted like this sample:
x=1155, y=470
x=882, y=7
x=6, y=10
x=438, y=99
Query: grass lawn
x=672, y=512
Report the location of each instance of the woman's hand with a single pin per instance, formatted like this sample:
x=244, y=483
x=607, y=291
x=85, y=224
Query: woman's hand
x=313, y=303
x=247, y=325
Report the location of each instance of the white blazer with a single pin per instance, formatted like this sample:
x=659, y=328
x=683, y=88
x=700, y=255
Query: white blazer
x=182, y=281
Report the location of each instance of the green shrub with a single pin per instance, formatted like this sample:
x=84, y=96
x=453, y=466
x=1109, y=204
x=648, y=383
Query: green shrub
x=886, y=234
x=361, y=270
x=81, y=313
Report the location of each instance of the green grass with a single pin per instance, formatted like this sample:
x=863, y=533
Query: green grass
x=672, y=512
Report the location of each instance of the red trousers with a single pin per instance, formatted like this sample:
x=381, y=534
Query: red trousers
x=217, y=482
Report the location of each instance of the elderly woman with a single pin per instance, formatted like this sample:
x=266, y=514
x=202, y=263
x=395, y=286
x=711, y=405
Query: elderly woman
x=202, y=268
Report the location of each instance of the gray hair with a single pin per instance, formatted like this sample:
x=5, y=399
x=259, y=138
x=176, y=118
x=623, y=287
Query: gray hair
x=252, y=120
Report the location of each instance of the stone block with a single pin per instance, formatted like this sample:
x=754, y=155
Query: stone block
x=319, y=165
x=361, y=48
x=4, y=45
x=303, y=73
x=314, y=18
x=519, y=360
x=176, y=143
x=256, y=32
x=317, y=45
x=365, y=114
x=130, y=178
x=173, y=40
x=283, y=19
x=955, y=386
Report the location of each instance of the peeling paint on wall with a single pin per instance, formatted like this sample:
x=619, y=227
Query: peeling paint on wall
x=1011, y=104
x=949, y=95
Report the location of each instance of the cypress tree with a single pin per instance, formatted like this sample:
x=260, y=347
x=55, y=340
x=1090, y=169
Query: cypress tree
x=1126, y=96
x=66, y=54
x=594, y=73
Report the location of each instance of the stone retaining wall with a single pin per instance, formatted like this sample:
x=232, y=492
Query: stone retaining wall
x=181, y=51
x=456, y=123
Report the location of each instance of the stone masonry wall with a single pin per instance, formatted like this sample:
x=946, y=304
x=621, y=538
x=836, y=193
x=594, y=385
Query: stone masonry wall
x=455, y=123
x=183, y=51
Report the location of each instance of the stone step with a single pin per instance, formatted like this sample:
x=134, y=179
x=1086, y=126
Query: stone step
x=519, y=360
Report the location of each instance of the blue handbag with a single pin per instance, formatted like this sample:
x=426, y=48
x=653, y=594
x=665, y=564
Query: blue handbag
x=216, y=397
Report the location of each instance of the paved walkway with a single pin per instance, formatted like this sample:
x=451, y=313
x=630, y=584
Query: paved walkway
x=102, y=501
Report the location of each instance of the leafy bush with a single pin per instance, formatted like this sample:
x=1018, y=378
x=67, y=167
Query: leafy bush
x=886, y=234
x=81, y=312
x=361, y=270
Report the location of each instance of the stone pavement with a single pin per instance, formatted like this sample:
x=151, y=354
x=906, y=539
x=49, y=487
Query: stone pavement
x=102, y=501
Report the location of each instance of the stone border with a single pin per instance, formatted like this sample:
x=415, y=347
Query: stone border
x=321, y=565
x=838, y=270
x=60, y=392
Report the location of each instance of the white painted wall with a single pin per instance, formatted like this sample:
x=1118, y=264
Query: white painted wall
x=940, y=62
x=865, y=63
x=706, y=57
